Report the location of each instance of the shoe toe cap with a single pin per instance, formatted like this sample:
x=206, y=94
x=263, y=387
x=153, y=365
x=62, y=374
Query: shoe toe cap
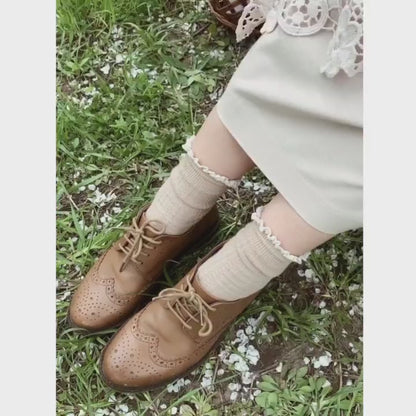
x=91, y=309
x=126, y=364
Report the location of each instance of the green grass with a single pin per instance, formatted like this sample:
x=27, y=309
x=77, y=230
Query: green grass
x=135, y=79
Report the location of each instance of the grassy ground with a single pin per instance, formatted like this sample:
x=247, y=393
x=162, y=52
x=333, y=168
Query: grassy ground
x=135, y=79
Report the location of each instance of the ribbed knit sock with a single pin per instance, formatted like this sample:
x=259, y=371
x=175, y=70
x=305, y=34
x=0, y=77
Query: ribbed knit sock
x=187, y=195
x=245, y=264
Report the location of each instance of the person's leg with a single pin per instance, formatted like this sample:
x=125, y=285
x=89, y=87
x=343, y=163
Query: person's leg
x=260, y=251
x=181, y=214
x=214, y=161
x=216, y=148
x=295, y=234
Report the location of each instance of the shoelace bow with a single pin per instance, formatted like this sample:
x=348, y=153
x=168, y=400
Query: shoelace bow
x=186, y=302
x=137, y=239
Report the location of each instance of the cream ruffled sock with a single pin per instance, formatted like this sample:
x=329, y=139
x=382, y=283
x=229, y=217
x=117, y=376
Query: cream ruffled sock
x=245, y=264
x=188, y=194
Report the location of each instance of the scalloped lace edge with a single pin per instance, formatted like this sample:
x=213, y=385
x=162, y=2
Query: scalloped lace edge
x=256, y=217
x=345, y=50
x=229, y=182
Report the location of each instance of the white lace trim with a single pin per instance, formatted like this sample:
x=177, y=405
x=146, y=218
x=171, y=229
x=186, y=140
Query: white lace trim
x=306, y=17
x=229, y=182
x=256, y=217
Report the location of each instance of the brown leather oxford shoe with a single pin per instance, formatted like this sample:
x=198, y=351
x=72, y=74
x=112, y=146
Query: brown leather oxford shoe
x=115, y=286
x=169, y=337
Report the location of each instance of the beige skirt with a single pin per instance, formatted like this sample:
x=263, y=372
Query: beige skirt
x=302, y=129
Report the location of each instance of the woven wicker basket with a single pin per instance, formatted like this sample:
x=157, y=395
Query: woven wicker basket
x=227, y=11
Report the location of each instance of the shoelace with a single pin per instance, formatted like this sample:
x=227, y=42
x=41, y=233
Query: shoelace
x=186, y=302
x=137, y=239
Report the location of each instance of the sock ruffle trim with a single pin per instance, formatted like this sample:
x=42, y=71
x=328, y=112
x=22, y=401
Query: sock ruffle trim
x=228, y=182
x=256, y=217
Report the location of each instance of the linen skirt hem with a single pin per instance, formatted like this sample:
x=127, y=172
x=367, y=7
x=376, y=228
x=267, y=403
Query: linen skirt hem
x=311, y=206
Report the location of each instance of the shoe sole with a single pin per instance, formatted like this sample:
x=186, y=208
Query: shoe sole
x=203, y=241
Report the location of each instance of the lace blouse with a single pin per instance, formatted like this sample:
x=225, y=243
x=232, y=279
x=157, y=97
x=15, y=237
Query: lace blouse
x=344, y=18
